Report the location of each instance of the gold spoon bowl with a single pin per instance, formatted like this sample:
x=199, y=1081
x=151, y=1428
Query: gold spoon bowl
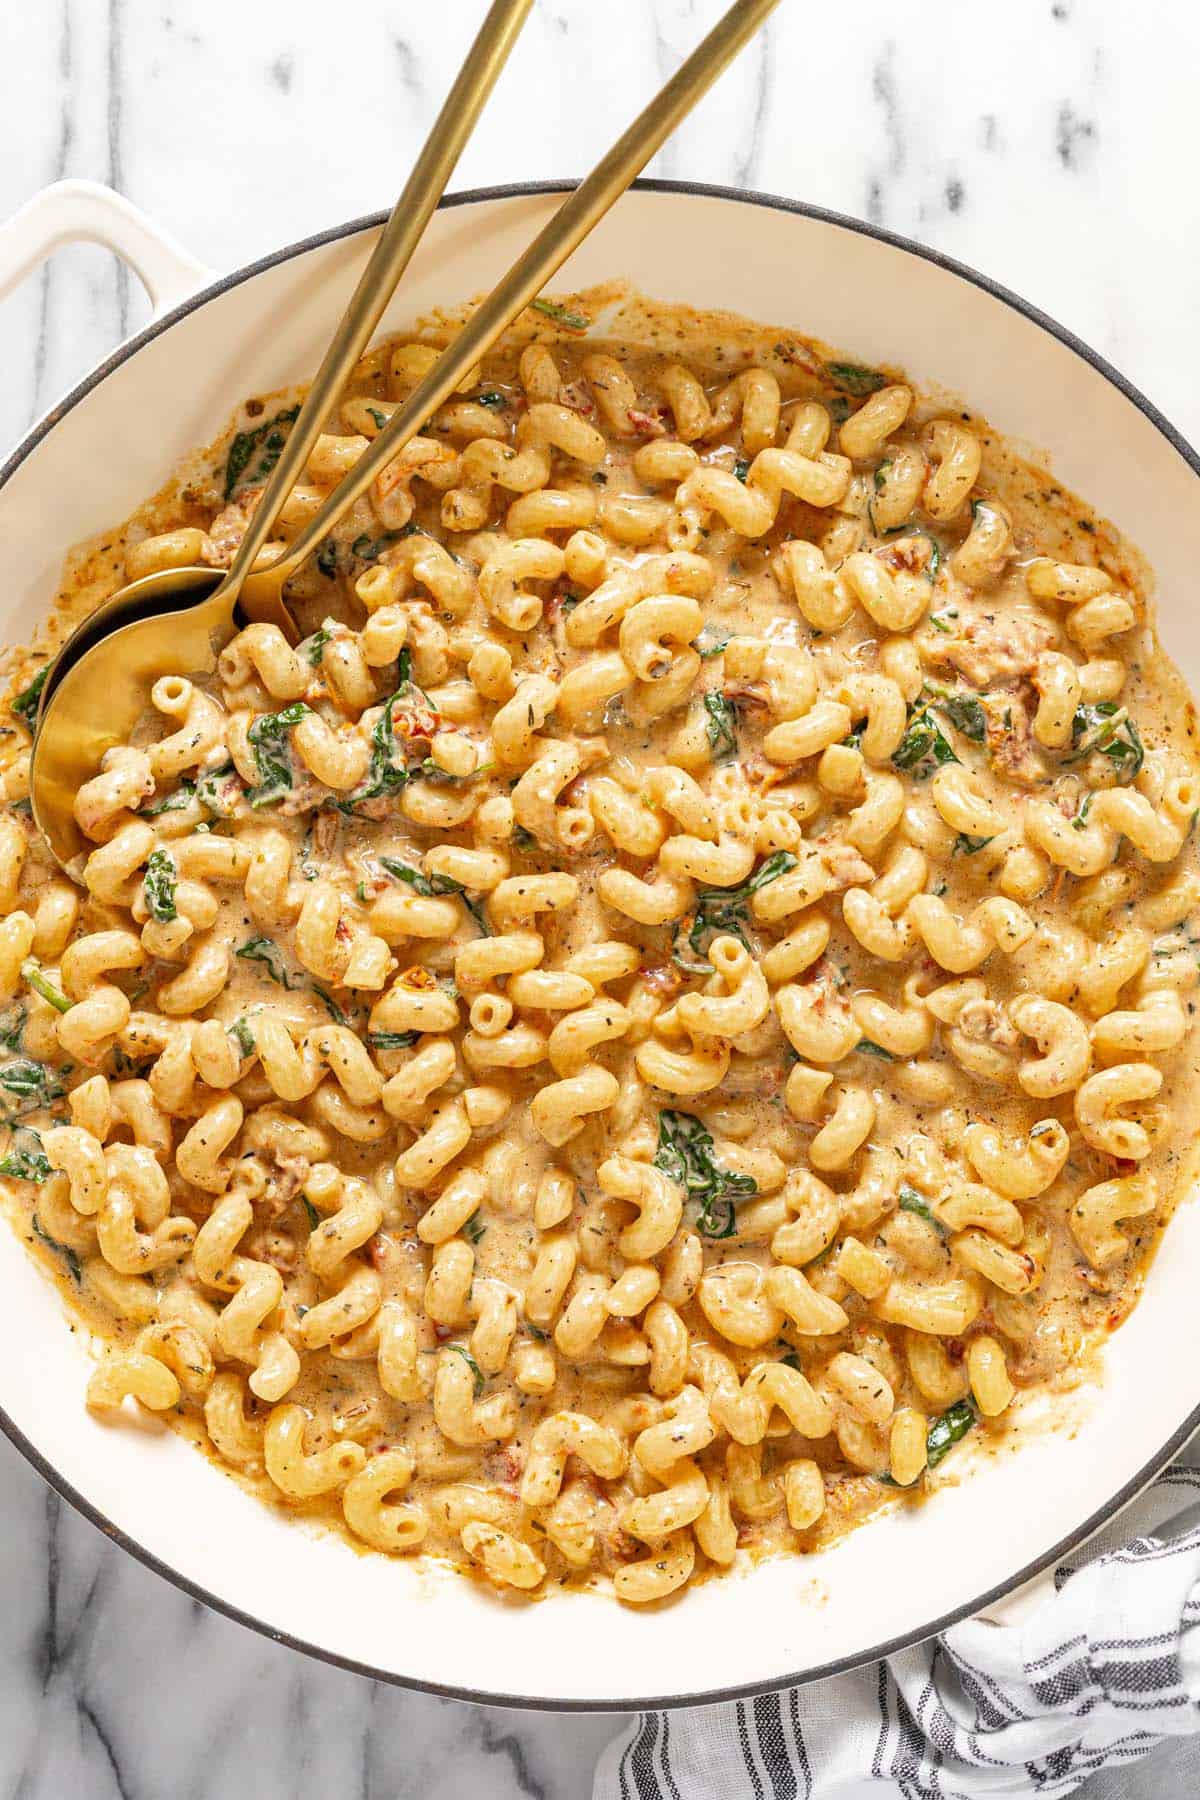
x=97, y=689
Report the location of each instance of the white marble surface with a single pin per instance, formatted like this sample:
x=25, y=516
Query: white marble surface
x=1049, y=142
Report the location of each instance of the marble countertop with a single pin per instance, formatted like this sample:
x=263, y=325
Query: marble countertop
x=1046, y=142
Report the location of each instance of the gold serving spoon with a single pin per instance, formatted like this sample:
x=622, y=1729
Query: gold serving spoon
x=98, y=689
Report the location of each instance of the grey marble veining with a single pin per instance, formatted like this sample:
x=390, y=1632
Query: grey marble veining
x=1048, y=142
x=114, y=1686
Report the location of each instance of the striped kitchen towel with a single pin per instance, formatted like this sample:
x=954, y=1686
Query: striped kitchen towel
x=1096, y=1676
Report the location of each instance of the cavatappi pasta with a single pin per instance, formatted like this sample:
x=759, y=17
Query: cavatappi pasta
x=667, y=1010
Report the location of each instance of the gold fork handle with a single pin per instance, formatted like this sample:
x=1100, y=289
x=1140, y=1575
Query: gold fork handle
x=392, y=254
x=549, y=250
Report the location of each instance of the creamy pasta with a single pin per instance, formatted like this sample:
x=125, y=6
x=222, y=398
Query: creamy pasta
x=666, y=1011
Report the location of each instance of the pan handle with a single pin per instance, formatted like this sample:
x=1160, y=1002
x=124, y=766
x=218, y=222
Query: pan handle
x=69, y=211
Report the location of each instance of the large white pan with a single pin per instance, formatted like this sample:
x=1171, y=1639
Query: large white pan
x=106, y=447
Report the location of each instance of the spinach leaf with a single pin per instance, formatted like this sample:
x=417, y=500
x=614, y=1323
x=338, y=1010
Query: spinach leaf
x=1108, y=729
x=473, y=1229
x=242, y=1033
x=310, y=1212
x=853, y=379
x=330, y=1004
x=685, y=1154
x=436, y=885
x=706, y=652
x=327, y=559
x=183, y=796
x=868, y=1047
x=31, y=1084
x=741, y=468
x=910, y=1201
x=267, y=439
x=26, y=1160
x=428, y=770
x=159, y=884
x=930, y=571
x=477, y=1372
x=392, y=1040
x=966, y=845
x=270, y=739
x=380, y=418
x=407, y=715
x=369, y=549
x=12, y=1029
x=493, y=398
x=966, y=715
x=724, y=910
x=25, y=704
x=923, y=746
x=389, y=768
x=69, y=1256
x=562, y=315
x=314, y=647
x=219, y=790
x=947, y=1430
x=266, y=951
x=721, y=729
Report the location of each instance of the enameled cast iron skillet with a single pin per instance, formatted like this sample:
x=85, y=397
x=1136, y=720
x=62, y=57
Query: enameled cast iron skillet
x=106, y=447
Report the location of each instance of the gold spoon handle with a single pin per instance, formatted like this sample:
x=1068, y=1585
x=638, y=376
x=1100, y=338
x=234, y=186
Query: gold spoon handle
x=549, y=250
x=400, y=237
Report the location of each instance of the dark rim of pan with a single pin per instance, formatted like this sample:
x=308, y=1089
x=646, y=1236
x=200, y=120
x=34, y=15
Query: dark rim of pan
x=738, y=1690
